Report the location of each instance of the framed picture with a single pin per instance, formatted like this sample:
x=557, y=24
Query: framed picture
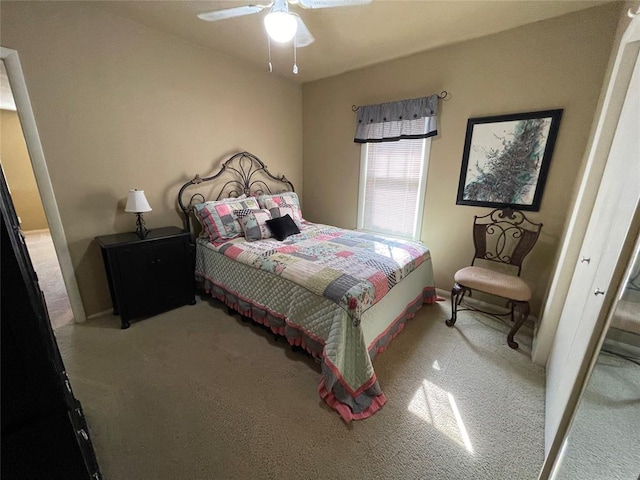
x=506, y=160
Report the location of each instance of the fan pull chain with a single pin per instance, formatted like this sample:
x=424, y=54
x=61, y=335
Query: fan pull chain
x=295, y=56
x=269, y=44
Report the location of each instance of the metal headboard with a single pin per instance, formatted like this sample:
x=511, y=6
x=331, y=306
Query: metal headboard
x=243, y=173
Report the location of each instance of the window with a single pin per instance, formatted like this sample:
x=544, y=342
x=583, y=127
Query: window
x=395, y=138
x=392, y=186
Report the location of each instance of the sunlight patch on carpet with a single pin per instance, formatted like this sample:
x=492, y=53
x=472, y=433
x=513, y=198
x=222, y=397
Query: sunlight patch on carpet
x=438, y=407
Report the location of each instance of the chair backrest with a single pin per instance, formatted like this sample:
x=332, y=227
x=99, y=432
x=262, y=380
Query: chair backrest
x=505, y=236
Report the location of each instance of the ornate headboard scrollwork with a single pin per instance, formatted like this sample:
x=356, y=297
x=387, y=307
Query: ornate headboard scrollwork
x=243, y=173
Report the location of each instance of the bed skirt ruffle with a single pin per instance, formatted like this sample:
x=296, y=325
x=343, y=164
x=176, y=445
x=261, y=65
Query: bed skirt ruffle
x=350, y=405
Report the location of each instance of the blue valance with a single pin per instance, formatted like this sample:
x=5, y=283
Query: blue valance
x=393, y=121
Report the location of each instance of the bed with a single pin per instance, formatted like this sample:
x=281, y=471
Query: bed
x=341, y=295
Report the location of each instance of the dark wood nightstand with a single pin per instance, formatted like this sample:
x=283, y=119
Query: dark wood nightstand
x=149, y=276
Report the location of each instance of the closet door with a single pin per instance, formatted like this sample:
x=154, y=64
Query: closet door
x=591, y=289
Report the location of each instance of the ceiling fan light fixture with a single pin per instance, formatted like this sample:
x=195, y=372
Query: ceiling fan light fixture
x=281, y=26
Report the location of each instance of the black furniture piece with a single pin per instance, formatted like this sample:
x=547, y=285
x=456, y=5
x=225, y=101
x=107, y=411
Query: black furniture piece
x=44, y=432
x=505, y=237
x=148, y=276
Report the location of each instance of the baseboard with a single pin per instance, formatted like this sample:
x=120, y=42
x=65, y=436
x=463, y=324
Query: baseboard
x=443, y=293
x=99, y=314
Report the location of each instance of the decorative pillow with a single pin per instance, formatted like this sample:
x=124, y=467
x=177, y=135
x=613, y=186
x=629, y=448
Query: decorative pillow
x=219, y=220
x=282, y=227
x=291, y=210
x=203, y=228
x=290, y=198
x=242, y=213
x=254, y=223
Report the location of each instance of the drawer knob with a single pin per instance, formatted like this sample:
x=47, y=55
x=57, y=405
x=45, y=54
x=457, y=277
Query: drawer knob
x=585, y=260
x=83, y=434
x=598, y=292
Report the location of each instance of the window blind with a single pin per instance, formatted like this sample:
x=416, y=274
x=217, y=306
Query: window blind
x=393, y=190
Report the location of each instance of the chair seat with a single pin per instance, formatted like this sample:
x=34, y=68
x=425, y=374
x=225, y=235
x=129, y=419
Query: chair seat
x=494, y=283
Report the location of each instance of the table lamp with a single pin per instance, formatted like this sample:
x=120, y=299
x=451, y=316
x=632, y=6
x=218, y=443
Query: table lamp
x=137, y=203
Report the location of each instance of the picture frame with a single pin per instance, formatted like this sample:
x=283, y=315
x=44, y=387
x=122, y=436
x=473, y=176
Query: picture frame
x=506, y=159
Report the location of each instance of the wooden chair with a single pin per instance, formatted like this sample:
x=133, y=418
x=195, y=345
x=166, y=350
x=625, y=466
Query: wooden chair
x=504, y=236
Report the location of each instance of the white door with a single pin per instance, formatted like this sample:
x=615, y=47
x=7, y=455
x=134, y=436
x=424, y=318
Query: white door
x=612, y=215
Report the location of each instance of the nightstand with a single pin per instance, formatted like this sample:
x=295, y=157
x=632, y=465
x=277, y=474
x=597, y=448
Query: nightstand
x=149, y=276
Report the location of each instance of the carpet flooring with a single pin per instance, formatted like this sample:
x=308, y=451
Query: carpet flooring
x=45, y=263
x=195, y=393
x=603, y=442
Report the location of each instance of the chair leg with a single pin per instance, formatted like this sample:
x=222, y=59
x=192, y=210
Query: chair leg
x=523, y=309
x=455, y=301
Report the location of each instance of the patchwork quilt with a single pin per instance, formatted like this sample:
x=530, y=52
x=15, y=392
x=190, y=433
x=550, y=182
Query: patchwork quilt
x=318, y=289
x=353, y=269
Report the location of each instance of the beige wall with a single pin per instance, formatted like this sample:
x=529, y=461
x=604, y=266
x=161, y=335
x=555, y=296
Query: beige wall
x=120, y=106
x=19, y=173
x=558, y=63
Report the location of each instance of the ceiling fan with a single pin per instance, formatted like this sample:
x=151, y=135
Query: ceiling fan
x=282, y=25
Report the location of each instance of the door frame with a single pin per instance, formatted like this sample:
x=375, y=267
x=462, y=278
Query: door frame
x=553, y=460
x=602, y=138
x=626, y=60
x=43, y=180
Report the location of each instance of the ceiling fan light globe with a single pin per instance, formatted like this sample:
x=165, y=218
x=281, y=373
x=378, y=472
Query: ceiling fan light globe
x=281, y=26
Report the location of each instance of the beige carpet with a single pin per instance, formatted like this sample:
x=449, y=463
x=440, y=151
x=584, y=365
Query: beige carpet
x=45, y=263
x=196, y=394
x=604, y=441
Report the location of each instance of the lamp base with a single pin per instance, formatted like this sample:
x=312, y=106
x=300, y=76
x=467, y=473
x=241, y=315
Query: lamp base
x=141, y=230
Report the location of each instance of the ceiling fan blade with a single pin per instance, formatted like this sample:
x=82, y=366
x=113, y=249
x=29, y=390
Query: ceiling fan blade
x=332, y=3
x=231, y=12
x=303, y=35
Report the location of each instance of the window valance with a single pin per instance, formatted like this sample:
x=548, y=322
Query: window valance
x=393, y=121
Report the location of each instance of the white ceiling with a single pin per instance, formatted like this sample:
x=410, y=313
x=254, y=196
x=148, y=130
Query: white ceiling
x=347, y=38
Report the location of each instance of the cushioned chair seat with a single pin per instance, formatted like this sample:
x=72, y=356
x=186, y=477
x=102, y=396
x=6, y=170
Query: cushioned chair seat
x=495, y=283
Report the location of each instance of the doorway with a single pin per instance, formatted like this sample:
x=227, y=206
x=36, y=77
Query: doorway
x=27, y=174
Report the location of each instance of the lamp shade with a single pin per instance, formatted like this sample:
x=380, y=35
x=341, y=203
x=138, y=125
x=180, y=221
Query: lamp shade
x=137, y=202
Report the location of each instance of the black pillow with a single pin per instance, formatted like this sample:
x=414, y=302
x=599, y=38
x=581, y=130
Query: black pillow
x=282, y=227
